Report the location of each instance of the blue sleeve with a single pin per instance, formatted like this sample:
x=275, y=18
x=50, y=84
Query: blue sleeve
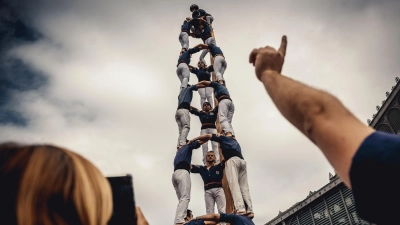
x=193, y=88
x=210, y=68
x=227, y=217
x=194, y=111
x=373, y=172
x=216, y=109
x=193, y=50
x=195, y=169
x=194, y=145
x=194, y=70
x=212, y=84
x=215, y=138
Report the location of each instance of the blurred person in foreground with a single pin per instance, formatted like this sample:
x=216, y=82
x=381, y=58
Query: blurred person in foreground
x=367, y=161
x=48, y=185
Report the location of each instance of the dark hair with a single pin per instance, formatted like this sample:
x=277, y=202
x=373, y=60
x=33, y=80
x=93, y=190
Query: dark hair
x=188, y=212
x=194, y=7
x=196, y=14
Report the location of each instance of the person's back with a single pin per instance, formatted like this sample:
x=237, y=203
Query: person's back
x=44, y=184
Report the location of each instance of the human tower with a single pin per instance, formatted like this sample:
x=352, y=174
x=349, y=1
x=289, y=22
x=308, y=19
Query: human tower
x=233, y=164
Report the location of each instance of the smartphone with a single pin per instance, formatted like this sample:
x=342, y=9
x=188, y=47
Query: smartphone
x=124, y=211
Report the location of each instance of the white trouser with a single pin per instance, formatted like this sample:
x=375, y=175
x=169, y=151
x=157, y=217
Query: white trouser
x=206, y=93
x=182, y=117
x=183, y=74
x=209, y=19
x=220, y=67
x=236, y=174
x=182, y=184
x=226, y=108
x=209, y=40
x=214, y=145
x=212, y=196
x=184, y=40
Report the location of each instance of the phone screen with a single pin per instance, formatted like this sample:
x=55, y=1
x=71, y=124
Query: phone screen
x=124, y=211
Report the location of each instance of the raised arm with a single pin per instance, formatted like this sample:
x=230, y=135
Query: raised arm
x=192, y=69
x=194, y=111
x=209, y=217
x=317, y=114
x=216, y=109
x=194, y=168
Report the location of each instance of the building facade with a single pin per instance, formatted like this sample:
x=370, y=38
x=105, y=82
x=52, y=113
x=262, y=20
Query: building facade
x=333, y=204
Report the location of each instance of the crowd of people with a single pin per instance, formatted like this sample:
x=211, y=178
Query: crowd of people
x=233, y=163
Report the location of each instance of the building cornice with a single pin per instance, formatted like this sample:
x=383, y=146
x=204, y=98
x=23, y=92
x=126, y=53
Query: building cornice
x=335, y=181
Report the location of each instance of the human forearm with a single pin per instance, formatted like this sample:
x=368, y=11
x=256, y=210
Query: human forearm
x=203, y=84
x=321, y=117
x=317, y=114
x=209, y=217
x=204, y=137
x=299, y=103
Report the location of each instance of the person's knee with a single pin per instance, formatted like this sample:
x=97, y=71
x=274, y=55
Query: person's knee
x=185, y=199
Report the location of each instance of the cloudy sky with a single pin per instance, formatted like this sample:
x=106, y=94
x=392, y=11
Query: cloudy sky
x=98, y=77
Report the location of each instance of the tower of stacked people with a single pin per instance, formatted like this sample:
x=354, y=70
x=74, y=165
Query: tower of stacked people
x=212, y=172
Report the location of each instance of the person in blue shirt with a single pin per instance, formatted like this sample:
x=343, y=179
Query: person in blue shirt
x=212, y=175
x=233, y=219
x=203, y=73
x=182, y=115
x=202, y=13
x=208, y=117
x=189, y=220
x=235, y=169
x=184, y=35
x=366, y=160
x=205, y=35
x=226, y=108
x=182, y=69
x=181, y=178
x=220, y=63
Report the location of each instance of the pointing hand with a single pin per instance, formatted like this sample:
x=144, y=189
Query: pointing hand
x=268, y=59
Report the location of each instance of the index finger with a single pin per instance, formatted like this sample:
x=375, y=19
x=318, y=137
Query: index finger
x=282, y=49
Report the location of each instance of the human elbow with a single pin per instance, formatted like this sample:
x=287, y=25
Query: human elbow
x=317, y=112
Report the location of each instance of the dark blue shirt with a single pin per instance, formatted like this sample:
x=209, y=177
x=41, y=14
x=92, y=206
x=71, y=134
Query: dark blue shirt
x=203, y=74
x=206, y=32
x=374, y=178
x=212, y=175
x=207, y=119
x=183, y=157
x=214, y=50
x=229, y=146
x=185, y=57
x=203, y=12
x=196, y=222
x=185, y=26
x=235, y=219
x=219, y=90
x=185, y=97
